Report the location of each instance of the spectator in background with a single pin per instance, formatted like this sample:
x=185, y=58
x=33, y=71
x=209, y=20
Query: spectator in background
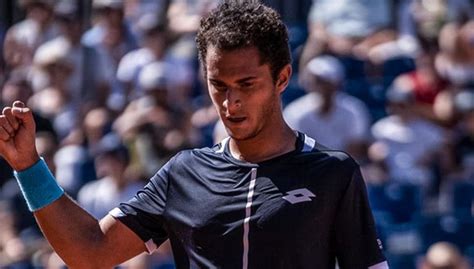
x=425, y=18
x=112, y=36
x=157, y=126
x=110, y=29
x=53, y=68
x=184, y=15
x=462, y=144
x=369, y=46
x=326, y=111
x=96, y=124
x=16, y=86
x=113, y=186
x=444, y=255
x=425, y=82
x=338, y=26
x=75, y=160
x=183, y=20
x=153, y=48
x=418, y=22
x=455, y=61
x=87, y=85
x=409, y=143
x=23, y=38
x=12, y=248
x=155, y=44
x=134, y=10
x=351, y=18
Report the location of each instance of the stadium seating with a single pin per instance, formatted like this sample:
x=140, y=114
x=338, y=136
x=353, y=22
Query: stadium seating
x=395, y=202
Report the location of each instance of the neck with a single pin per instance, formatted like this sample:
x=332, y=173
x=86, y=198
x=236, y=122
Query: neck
x=74, y=39
x=120, y=182
x=406, y=117
x=326, y=104
x=266, y=145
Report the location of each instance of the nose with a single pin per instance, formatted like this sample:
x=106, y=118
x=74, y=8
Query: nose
x=233, y=101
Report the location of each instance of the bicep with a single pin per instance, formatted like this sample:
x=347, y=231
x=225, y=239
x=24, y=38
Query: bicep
x=137, y=225
x=121, y=243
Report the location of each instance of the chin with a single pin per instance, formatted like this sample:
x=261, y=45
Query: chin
x=242, y=136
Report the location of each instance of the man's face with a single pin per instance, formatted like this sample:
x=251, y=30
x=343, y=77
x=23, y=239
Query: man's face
x=109, y=165
x=323, y=86
x=71, y=27
x=243, y=91
x=113, y=17
x=11, y=93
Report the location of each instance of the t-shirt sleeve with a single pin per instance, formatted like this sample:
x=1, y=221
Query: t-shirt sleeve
x=357, y=245
x=143, y=214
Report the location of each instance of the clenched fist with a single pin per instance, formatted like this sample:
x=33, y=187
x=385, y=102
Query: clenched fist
x=17, y=136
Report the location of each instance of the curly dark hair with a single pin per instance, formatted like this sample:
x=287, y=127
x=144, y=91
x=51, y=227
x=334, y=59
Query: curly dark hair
x=237, y=24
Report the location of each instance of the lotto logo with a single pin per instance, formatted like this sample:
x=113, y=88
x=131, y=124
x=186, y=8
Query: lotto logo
x=298, y=196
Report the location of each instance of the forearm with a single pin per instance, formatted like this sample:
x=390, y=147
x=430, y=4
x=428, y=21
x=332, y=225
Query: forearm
x=71, y=230
x=73, y=233
x=80, y=240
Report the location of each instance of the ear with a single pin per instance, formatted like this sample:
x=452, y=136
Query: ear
x=283, y=78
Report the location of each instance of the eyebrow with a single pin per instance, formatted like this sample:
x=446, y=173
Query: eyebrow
x=246, y=79
x=242, y=80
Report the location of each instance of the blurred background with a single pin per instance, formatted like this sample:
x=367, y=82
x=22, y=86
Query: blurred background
x=116, y=90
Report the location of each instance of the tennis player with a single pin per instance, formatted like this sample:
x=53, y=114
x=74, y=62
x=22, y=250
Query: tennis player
x=266, y=197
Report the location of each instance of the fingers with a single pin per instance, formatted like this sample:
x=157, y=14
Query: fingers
x=6, y=130
x=13, y=117
x=7, y=112
x=8, y=124
x=23, y=115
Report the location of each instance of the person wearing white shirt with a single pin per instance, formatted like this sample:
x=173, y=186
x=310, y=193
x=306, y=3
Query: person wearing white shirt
x=335, y=119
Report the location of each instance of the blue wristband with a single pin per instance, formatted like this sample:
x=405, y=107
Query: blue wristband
x=38, y=185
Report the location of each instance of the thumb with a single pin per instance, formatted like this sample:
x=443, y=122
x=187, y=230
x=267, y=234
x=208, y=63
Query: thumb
x=24, y=114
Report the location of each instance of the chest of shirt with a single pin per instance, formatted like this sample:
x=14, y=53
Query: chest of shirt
x=215, y=206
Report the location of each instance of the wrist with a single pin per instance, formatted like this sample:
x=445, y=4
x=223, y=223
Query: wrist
x=25, y=163
x=38, y=185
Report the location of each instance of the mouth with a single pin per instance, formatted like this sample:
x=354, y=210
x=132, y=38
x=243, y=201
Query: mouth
x=236, y=119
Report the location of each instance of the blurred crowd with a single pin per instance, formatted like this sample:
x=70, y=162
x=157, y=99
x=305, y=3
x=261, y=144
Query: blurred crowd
x=116, y=90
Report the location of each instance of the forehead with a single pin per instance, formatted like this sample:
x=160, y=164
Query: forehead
x=235, y=63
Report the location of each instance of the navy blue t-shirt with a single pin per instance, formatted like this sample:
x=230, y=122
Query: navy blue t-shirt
x=303, y=209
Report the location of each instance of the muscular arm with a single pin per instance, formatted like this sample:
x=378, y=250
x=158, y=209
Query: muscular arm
x=80, y=240
x=84, y=242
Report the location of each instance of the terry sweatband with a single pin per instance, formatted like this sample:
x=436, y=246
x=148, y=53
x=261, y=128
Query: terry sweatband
x=38, y=185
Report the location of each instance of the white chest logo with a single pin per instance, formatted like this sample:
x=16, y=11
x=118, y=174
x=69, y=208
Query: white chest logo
x=298, y=196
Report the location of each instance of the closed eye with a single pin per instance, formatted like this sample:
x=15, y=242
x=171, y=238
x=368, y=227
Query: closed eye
x=246, y=85
x=221, y=87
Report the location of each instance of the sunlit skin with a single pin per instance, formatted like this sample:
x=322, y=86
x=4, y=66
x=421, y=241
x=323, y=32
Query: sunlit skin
x=248, y=101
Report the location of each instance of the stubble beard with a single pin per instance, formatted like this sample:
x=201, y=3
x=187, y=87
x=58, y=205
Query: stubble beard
x=262, y=122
